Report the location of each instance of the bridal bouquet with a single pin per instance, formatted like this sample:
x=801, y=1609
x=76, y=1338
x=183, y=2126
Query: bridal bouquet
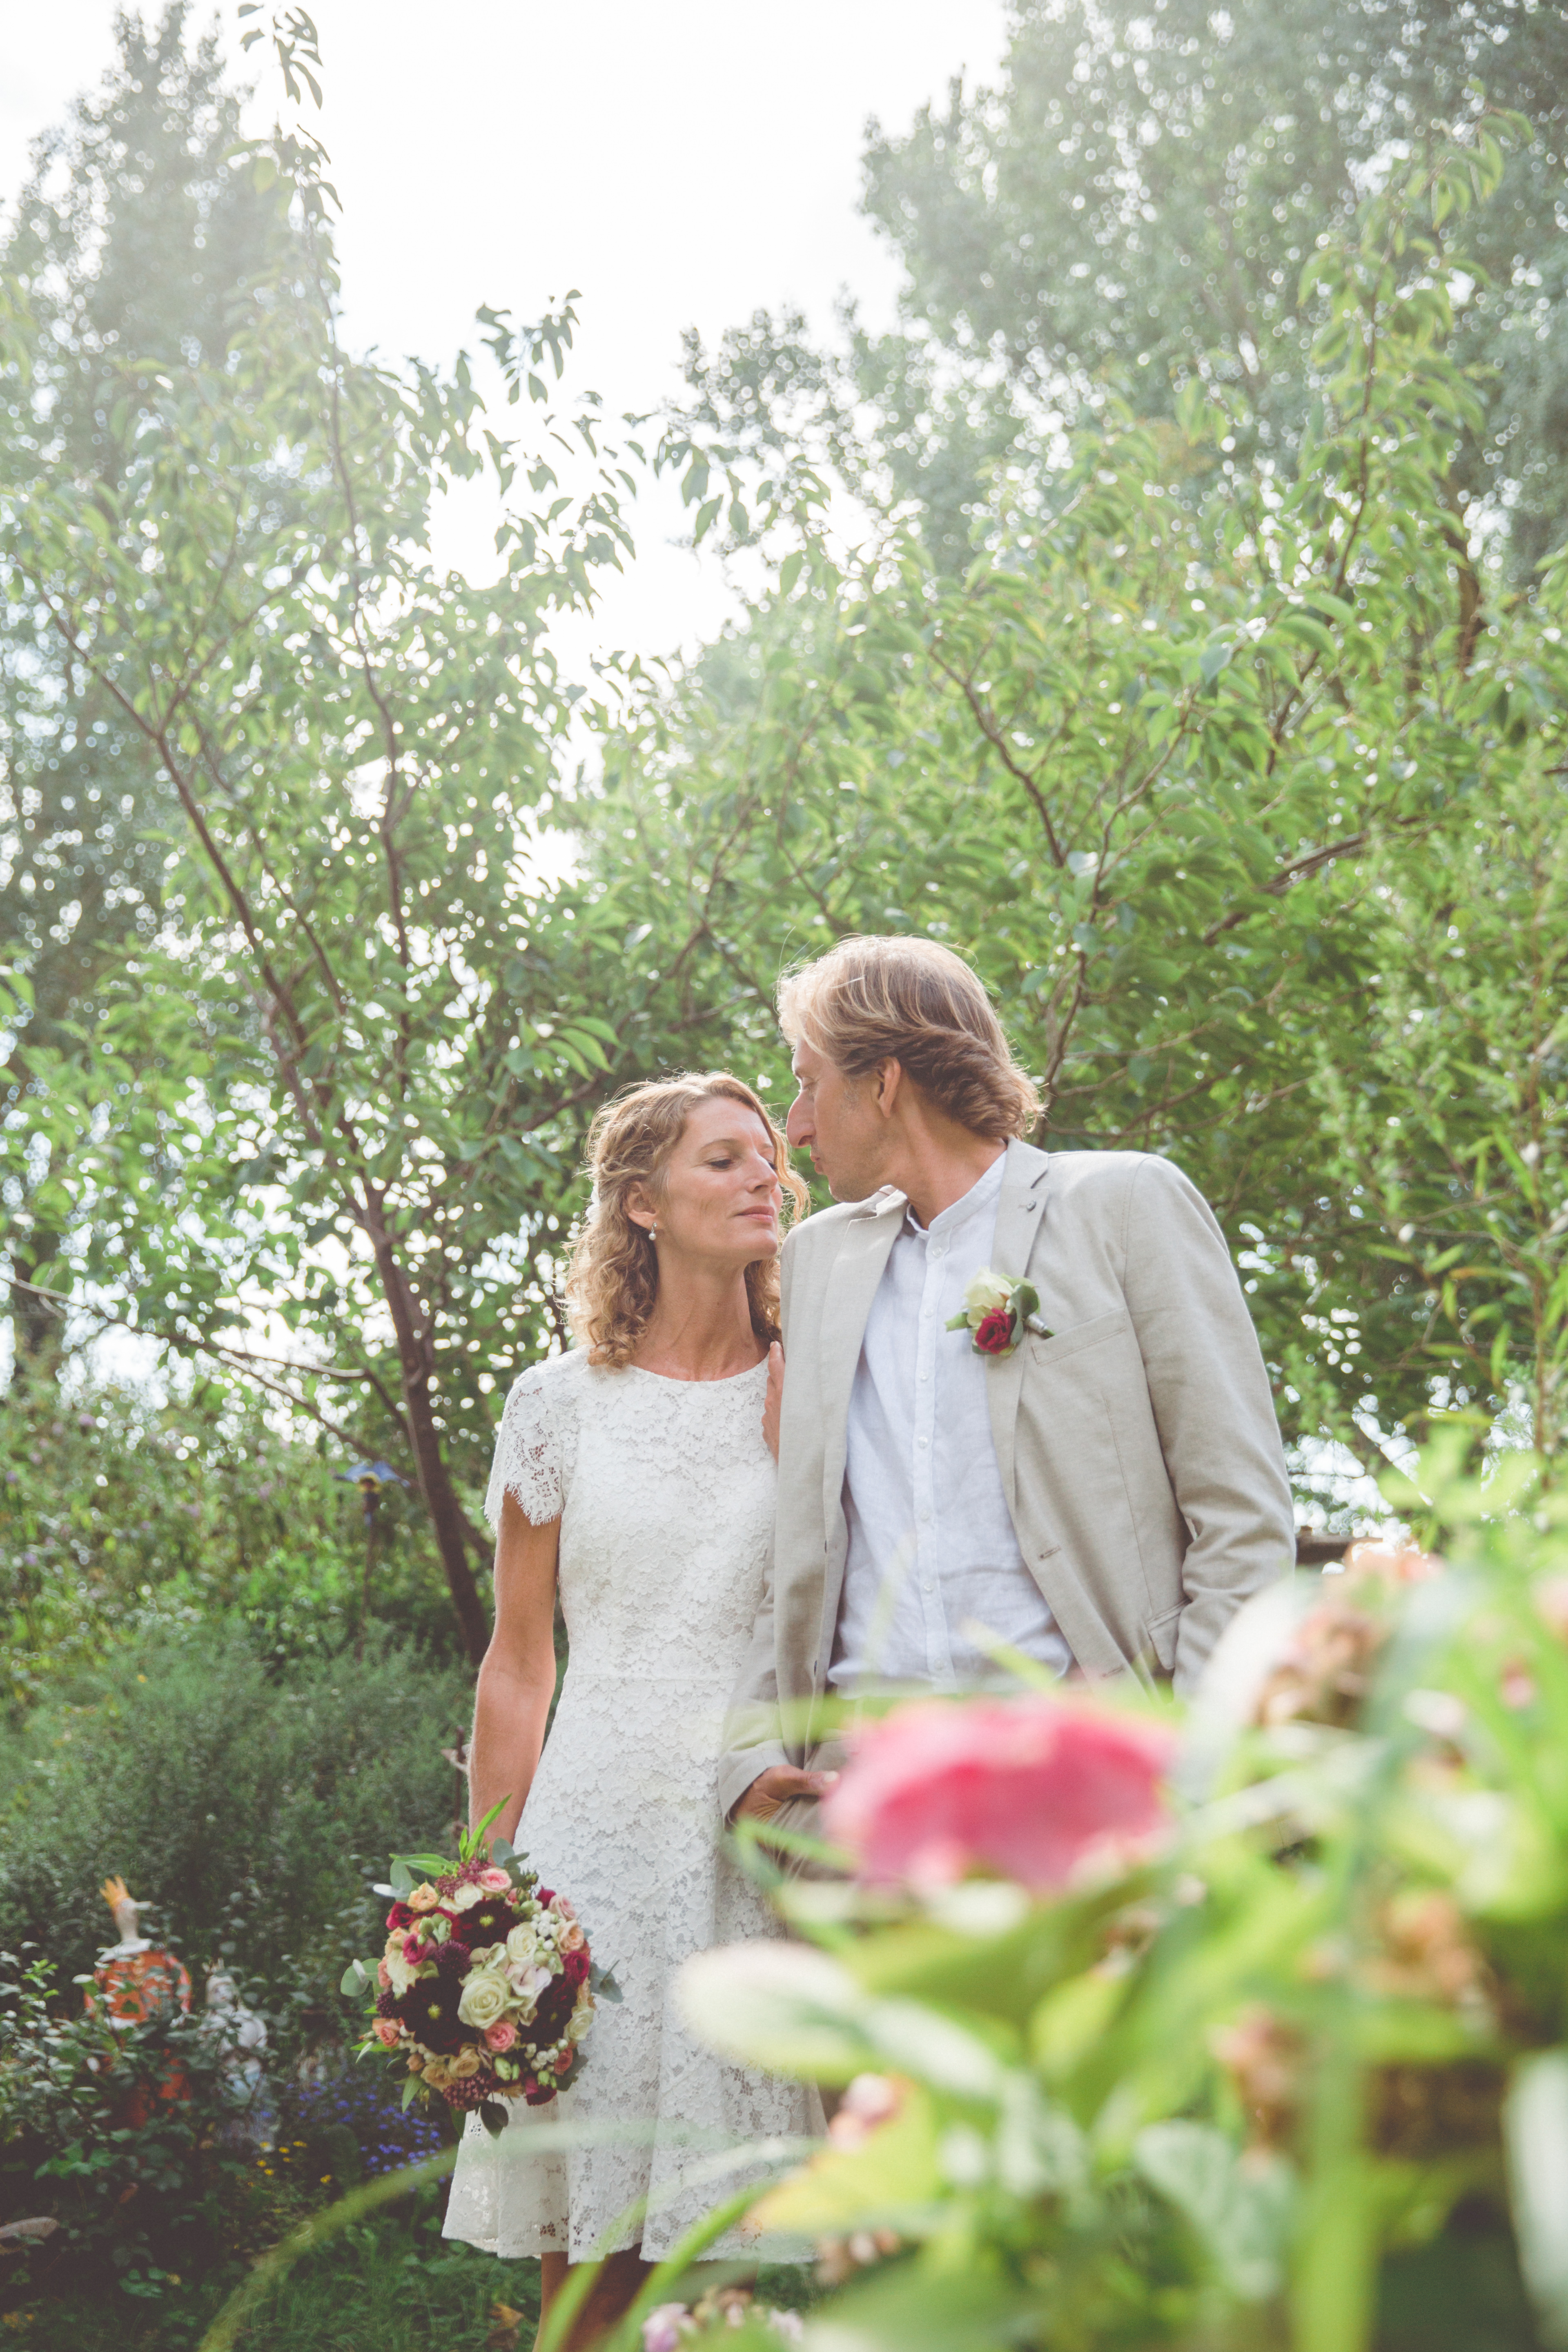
x=486, y=1987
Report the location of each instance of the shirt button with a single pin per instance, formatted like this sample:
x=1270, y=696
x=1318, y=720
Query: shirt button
x=925, y=1511
x=925, y=1371
x=927, y=1584
x=939, y=1249
x=925, y=1441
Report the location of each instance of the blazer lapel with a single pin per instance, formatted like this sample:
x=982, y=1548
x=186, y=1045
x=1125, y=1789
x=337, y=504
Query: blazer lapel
x=856, y=1269
x=852, y=1280
x=1020, y=1214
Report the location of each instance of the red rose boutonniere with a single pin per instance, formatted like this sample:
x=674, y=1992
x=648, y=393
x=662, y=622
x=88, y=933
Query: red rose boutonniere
x=998, y=1312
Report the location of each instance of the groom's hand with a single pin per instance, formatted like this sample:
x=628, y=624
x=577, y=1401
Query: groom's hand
x=777, y=1787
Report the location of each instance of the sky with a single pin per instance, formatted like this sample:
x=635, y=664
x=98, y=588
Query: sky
x=685, y=165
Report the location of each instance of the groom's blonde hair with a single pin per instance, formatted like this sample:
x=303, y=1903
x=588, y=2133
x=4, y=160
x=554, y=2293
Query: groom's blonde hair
x=869, y=1000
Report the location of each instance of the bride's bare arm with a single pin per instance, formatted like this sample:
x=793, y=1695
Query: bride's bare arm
x=517, y=1680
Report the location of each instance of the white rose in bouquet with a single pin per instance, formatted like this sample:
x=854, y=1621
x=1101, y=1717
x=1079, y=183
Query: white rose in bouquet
x=485, y=1996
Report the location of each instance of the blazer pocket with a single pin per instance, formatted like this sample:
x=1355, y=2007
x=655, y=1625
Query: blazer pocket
x=1161, y=1633
x=1082, y=1334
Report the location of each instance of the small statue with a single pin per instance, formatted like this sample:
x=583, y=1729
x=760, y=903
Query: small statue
x=240, y=2035
x=139, y=1983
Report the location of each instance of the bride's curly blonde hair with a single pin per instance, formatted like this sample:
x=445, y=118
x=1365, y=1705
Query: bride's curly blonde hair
x=614, y=1276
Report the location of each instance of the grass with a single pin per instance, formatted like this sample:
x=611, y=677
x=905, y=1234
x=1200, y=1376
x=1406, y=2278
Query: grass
x=391, y=2284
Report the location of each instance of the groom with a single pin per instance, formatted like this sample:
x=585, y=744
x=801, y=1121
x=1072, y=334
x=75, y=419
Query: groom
x=1105, y=1494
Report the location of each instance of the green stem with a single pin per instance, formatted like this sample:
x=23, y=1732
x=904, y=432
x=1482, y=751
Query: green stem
x=1335, y=2266
x=670, y=2271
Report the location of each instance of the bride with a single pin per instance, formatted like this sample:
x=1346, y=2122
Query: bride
x=633, y=1473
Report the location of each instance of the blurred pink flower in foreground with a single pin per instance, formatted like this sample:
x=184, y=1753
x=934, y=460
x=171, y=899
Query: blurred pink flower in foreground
x=1036, y=1789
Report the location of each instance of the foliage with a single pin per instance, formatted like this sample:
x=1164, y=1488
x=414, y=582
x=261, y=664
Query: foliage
x=350, y=1078
x=388, y=2283
x=1223, y=2096
x=133, y=2142
x=1129, y=211
x=120, y=1512
x=1466, y=1050
x=1154, y=768
x=136, y=241
x=252, y=1808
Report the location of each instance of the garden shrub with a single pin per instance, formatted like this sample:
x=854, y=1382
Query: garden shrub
x=250, y=1809
x=120, y=1513
x=132, y=2142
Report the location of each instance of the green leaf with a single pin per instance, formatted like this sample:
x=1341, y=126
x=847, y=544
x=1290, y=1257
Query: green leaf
x=1306, y=629
x=1240, y=2211
x=494, y=2115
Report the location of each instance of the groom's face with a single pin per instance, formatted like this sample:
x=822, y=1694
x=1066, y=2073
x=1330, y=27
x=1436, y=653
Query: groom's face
x=837, y=1121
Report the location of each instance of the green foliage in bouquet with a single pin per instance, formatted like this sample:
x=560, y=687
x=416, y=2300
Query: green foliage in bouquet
x=1297, y=2078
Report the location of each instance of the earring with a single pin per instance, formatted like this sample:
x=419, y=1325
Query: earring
x=653, y=1229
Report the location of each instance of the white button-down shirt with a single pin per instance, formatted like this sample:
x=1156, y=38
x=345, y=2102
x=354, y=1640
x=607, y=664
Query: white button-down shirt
x=931, y=1547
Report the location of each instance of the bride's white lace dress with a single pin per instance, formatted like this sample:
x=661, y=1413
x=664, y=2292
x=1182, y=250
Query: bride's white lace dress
x=666, y=1495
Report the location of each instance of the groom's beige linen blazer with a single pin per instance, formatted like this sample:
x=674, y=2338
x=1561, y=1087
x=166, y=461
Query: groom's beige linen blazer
x=1138, y=1447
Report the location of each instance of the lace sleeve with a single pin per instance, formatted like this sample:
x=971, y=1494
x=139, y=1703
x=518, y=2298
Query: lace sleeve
x=528, y=1465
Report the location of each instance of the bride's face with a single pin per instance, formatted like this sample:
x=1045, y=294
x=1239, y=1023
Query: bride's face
x=721, y=1196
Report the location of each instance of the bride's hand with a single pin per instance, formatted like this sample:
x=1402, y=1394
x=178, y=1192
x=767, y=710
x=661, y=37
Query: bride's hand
x=773, y=1400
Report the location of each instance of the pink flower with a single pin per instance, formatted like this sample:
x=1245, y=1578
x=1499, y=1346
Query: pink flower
x=664, y=2329
x=383, y=1975
x=572, y=1938
x=415, y=1949
x=1033, y=1788
x=1390, y=1563
x=386, y=2031
x=563, y=1906
x=501, y=2035
x=494, y=1881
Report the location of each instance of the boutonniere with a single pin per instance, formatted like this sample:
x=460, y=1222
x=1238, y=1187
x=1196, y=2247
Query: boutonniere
x=998, y=1312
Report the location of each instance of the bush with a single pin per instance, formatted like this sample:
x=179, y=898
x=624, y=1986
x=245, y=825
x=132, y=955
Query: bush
x=252, y=1809
x=120, y=1513
x=131, y=2141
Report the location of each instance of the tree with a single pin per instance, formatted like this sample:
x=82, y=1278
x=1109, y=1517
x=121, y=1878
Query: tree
x=137, y=240
x=1133, y=207
x=1450, y=1125
x=344, y=1086
x=1151, y=767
